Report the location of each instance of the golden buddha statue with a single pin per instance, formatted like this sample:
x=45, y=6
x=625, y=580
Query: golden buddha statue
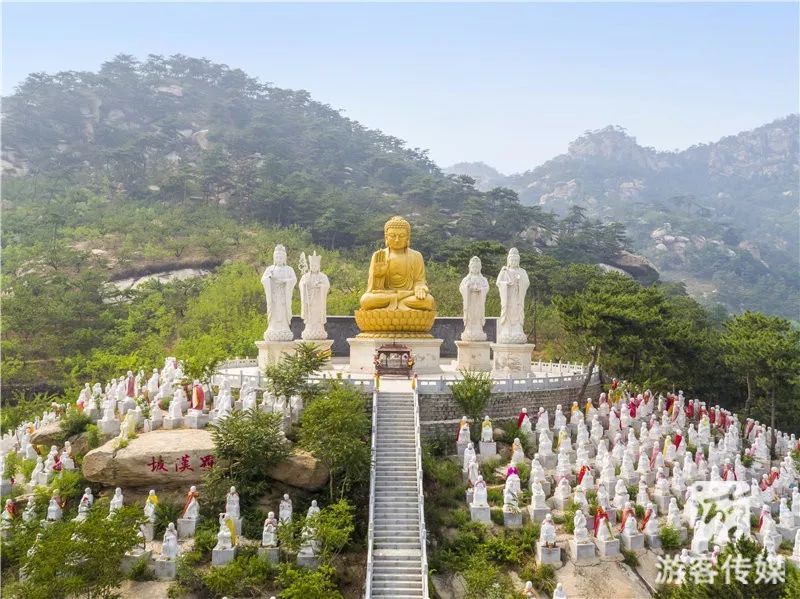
x=397, y=299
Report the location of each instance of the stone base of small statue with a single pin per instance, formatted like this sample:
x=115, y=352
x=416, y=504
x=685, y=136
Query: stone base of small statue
x=271, y=352
x=630, y=481
x=196, y=419
x=109, y=427
x=220, y=557
x=469, y=493
x=788, y=534
x=307, y=560
x=546, y=487
x=549, y=556
x=131, y=557
x=425, y=351
x=186, y=527
x=480, y=514
x=147, y=531
x=271, y=554
x=164, y=568
x=460, y=447
x=474, y=355
x=512, y=519
x=5, y=488
x=171, y=423
x=560, y=503
x=652, y=541
x=778, y=538
x=632, y=542
x=582, y=553
x=487, y=450
x=662, y=503
x=511, y=359
x=607, y=548
x=538, y=514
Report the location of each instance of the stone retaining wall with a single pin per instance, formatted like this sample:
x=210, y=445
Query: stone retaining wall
x=439, y=413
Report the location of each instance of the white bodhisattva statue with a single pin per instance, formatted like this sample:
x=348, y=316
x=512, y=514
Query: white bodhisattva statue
x=581, y=534
x=285, y=511
x=279, y=281
x=547, y=536
x=117, y=501
x=169, y=546
x=512, y=283
x=314, y=288
x=474, y=288
x=480, y=495
x=232, y=504
x=269, y=536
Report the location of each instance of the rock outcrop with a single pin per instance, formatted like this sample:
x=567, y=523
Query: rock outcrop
x=179, y=458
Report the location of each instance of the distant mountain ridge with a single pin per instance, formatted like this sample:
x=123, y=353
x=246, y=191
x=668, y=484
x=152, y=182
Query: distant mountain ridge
x=721, y=217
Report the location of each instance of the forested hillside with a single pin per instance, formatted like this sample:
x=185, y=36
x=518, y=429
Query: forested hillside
x=722, y=217
x=178, y=163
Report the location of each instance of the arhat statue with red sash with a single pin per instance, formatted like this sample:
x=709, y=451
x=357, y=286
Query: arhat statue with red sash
x=647, y=514
x=599, y=516
x=584, y=469
x=522, y=415
x=628, y=511
x=198, y=396
x=130, y=383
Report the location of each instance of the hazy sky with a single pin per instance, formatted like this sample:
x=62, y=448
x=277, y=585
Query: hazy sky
x=509, y=84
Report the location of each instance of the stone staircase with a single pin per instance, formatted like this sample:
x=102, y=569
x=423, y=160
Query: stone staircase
x=397, y=556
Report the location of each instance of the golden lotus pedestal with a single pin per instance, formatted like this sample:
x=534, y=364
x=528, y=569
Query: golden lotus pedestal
x=382, y=327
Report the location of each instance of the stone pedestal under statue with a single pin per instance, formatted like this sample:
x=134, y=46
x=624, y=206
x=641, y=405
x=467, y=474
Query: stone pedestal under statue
x=425, y=351
x=474, y=355
x=271, y=352
x=511, y=359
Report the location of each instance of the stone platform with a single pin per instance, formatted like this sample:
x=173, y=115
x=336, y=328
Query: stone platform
x=424, y=349
x=270, y=352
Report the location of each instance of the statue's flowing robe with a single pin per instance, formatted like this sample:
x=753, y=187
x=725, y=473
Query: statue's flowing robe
x=407, y=272
x=279, y=300
x=474, y=301
x=512, y=298
x=313, y=299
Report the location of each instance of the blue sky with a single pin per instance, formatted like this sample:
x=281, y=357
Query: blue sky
x=509, y=84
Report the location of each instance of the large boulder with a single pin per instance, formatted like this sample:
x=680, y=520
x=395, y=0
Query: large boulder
x=49, y=434
x=178, y=458
x=301, y=470
x=160, y=458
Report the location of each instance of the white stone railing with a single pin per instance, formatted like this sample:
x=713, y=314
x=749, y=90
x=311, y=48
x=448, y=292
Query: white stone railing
x=423, y=535
x=372, y=475
x=512, y=385
x=259, y=381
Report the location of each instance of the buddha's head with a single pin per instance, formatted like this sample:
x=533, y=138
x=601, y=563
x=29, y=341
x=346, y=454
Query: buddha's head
x=397, y=233
x=279, y=255
x=474, y=265
x=513, y=258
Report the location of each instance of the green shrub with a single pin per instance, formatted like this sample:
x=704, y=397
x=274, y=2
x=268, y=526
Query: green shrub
x=484, y=580
x=629, y=557
x=74, y=422
x=489, y=470
x=205, y=537
x=300, y=583
x=496, y=514
x=92, y=436
x=639, y=509
x=245, y=576
x=503, y=550
x=141, y=571
x=460, y=517
x=494, y=496
x=559, y=519
x=471, y=393
x=542, y=576
x=165, y=513
x=670, y=538
x=747, y=461
x=253, y=523
x=524, y=472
